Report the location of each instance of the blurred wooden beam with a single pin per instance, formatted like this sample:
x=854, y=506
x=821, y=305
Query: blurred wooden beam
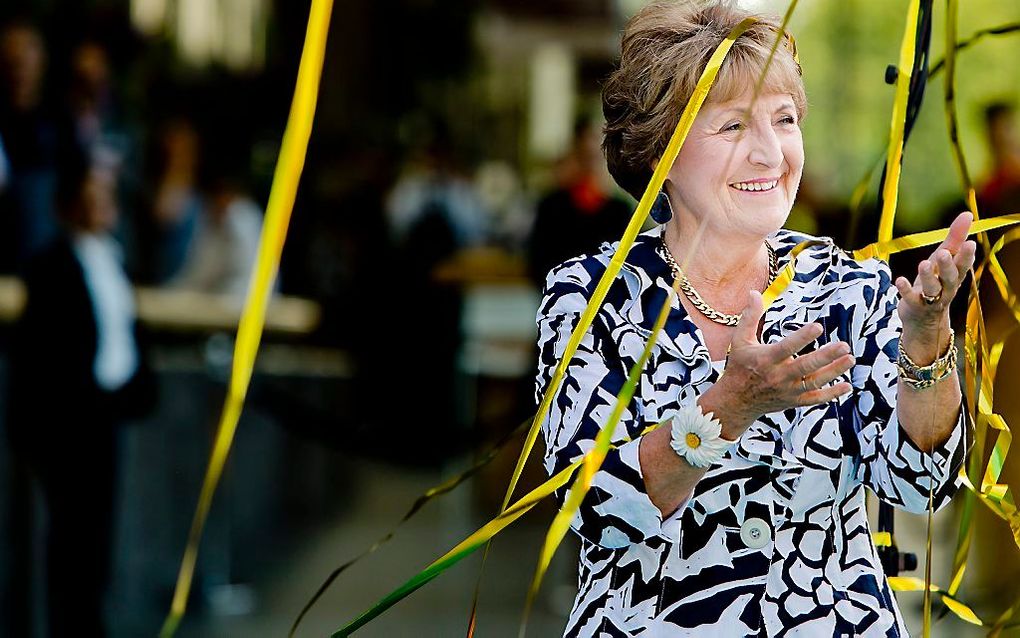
x=189, y=311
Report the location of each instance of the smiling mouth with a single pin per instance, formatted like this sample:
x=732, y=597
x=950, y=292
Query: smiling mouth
x=757, y=186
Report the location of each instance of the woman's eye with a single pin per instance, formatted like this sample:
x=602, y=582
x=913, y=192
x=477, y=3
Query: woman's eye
x=735, y=126
x=787, y=119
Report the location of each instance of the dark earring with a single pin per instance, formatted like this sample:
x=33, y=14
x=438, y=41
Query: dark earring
x=661, y=211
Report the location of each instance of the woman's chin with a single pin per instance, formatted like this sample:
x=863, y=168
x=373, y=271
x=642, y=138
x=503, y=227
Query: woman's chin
x=766, y=221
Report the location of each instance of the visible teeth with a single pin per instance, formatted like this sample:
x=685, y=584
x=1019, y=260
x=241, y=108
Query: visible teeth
x=756, y=186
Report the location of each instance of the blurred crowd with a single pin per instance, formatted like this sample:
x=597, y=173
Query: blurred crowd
x=82, y=218
x=181, y=222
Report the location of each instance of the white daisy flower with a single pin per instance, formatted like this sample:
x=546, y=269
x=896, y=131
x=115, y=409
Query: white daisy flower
x=696, y=437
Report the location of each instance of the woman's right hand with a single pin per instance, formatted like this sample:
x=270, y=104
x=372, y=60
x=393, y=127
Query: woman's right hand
x=760, y=379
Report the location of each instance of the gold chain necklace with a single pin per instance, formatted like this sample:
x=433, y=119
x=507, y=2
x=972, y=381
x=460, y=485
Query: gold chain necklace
x=692, y=294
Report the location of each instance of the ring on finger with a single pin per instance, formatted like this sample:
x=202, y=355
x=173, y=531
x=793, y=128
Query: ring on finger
x=932, y=299
x=803, y=383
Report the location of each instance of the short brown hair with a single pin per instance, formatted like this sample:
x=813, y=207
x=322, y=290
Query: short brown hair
x=665, y=47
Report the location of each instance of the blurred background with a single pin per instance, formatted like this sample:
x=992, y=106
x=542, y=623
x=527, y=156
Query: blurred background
x=454, y=160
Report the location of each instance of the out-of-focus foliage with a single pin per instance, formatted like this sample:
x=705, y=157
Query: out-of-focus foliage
x=845, y=48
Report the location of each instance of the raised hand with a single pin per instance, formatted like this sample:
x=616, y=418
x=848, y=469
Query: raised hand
x=759, y=379
x=924, y=305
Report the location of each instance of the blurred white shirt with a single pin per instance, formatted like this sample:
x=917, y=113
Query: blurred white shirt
x=222, y=255
x=113, y=304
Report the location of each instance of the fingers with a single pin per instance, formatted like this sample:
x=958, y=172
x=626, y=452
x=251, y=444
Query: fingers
x=903, y=287
x=824, y=395
x=957, y=232
x=747, y=329
x=812, y=365
x=939, y=276
x=946, y=270
x=794, y=342
x=927, y=280
x=964, y=259
x=829, y=372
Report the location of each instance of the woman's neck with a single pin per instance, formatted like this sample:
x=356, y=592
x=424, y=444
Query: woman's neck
x=720, y=263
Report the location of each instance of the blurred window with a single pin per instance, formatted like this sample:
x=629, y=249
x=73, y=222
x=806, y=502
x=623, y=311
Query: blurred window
x=229, y=32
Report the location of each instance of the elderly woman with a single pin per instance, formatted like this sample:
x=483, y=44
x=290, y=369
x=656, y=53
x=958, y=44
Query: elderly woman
x=745, y=513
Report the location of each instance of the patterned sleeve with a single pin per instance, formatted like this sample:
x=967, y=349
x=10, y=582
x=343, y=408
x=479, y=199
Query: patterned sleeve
x=616, y=511
x=898, y=471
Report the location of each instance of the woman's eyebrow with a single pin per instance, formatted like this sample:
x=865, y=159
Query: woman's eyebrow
x=742, y=110
x=733, y=110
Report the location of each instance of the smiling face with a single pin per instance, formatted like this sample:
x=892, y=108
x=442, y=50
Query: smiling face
x=738, y=171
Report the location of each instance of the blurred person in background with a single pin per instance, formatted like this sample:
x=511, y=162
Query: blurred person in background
x=431, y=189
x=501, y=190
x=90, y=98
x=31, y=139
x=1000, y=192
x=433, y=212
x=581, y=212
x=176, y=200
x=95, y=123
x=222, y=251
x=77, y=372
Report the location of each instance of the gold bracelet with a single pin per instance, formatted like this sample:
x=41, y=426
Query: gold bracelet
x=921, y=377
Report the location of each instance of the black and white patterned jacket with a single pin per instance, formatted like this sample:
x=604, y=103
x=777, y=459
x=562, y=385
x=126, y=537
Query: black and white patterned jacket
x=775, y=539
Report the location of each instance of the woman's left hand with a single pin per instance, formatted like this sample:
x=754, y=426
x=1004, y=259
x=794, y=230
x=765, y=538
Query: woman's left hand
x=924, y=306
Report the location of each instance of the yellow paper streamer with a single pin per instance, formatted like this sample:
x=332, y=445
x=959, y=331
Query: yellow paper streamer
x=249, y=330
x=909, y=583
x=952, y=128
x=931, y=237
x=894, y=155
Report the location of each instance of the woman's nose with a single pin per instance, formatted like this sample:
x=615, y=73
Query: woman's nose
x=766, y=149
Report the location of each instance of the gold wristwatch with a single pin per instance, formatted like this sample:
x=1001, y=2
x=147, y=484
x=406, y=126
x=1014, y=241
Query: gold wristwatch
x=921, y=377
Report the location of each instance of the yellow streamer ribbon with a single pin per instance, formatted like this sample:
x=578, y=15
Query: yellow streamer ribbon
x=910, y=583
x=952, y=128
x=997, y=496
x=249, y=331
x=1007, y=294
x=980, y=367
x=894, y=155
x=972, y=379
x=949, y=100
x=931, y=237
